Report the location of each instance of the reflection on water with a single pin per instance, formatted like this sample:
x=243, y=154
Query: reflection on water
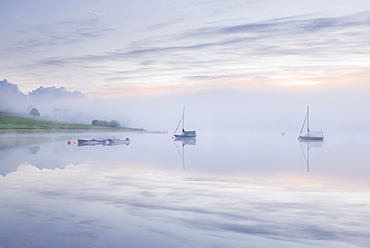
x=187, y=141
x=34, y=149
x=306, y=152
x=103, y=142
x=239, y=191
x=184, y=141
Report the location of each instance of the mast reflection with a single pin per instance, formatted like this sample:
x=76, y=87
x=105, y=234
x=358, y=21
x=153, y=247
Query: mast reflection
x=184, y=141
x=309, y=144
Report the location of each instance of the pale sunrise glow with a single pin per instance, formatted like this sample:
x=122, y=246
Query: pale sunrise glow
x=303, y=83
x=112, y=46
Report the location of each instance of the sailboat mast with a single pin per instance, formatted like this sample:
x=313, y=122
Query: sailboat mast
x=183, y=118
x=308, y=120
x=303, y=125
x=181, y=121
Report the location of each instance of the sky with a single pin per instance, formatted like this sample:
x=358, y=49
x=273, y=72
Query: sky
x=125, y=49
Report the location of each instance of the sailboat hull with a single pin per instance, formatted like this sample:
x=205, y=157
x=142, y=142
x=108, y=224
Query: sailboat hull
x=186, y=134
x=310, y=138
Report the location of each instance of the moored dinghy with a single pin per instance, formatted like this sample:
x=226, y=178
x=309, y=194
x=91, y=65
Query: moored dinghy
x=91, y=142
x=114, y=142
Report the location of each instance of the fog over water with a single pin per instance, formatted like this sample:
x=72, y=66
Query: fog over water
x=245, y=181
x=255, y=110
x=225, y=189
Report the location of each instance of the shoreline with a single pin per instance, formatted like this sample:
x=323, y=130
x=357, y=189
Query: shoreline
x=72, y=130
x=22, y=130
x=13, y=124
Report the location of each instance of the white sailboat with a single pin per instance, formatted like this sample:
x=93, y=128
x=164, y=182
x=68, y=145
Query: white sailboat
x=310, y=135
x=184, y=134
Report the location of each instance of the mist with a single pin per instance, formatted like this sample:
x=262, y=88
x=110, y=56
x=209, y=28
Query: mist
x=274, y=109
x=212, y=111
x=241, y=163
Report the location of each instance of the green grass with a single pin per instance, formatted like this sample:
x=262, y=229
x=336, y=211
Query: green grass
x=10, y=123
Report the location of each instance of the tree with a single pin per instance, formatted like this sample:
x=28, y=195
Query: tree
x=34, y=112
x=114, y=123
x=103, y=123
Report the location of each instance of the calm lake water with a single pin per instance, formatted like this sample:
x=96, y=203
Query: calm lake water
x=224, y=190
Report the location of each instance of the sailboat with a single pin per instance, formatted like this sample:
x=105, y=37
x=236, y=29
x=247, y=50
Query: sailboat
x=184, y=134
x=310, y=135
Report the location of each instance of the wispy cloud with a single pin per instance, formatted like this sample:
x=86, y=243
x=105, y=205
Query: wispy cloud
x=240, y=51
x=259, y=38
x=60, y=33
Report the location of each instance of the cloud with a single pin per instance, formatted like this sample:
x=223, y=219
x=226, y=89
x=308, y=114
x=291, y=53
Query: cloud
x=11, y=98
x=256, y=37
x=237, y=51
x=58, y=102
x=293, y=25
x=54, y=93
x=60, y=33
x=164, y=24
x=7, y=88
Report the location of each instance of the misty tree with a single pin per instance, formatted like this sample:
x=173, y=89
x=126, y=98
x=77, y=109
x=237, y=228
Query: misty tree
x=95, y=122
x=35, y=112
x=114, y=123
x=103, y=123
x=57, y=112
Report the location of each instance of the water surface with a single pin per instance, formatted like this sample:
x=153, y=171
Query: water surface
x=229, y=190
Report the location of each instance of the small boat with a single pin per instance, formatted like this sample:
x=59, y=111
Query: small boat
x=310, y=135
x=184, y=134
x=91, y=142
x=113, y=142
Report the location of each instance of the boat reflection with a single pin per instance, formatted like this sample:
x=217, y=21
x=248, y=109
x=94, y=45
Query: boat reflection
x=309, y=144
x=91, y=142
x=116, y=142
x=103, y=142
x=184, y=141
x=187, y=141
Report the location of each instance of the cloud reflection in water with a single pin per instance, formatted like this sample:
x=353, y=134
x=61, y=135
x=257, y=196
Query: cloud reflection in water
x=185, y=209
x=129, y=196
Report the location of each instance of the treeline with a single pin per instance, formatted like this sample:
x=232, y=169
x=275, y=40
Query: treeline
x=102, y=123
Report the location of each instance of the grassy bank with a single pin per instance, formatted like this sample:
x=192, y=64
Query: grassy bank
x=15, y=124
